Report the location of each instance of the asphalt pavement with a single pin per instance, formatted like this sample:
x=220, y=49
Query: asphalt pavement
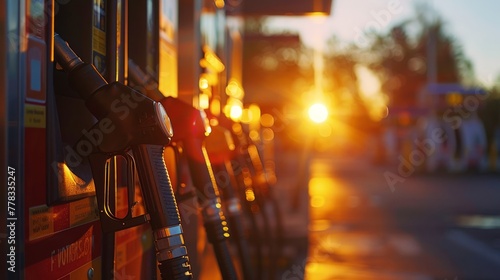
x=346, y=218
x=364, y=224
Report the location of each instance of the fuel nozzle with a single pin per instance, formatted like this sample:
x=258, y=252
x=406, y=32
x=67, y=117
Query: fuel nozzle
x=129, y=121
x=65, y=55
x=145, y=83
x=85, y=79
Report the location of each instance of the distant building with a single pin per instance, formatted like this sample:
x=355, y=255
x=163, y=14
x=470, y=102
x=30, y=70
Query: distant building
x=443, y=132
x=272, y=75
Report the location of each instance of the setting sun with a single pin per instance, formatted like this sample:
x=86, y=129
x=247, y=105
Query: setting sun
x=318, y=113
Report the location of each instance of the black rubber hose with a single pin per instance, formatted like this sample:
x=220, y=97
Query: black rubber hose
x=237, y=233
x=268, y=233
x=259, y=210
x=279, y=237
x=232, y=206
x=256, y=236
x=264, y=198
x=175, y=269
x=217, y=236
x=208, y=196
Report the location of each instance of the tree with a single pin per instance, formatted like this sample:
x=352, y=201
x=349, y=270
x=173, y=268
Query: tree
x=402, y=58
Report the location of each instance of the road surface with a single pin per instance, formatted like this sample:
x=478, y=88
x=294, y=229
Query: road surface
x=363, y=226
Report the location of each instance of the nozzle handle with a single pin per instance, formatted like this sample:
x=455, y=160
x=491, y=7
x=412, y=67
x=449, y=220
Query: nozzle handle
x=165, y=219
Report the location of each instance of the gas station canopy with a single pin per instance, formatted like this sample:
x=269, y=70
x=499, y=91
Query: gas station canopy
x=438, y=89
x=280, y=7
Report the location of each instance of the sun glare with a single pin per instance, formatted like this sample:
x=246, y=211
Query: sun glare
x=318, y=113
x=368, y=81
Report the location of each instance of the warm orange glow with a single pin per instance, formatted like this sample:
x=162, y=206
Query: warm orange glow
x=325, y=130
x=318, y=113
x=267, y=120
x=69, y=178
x=249, y=195
x=454, y=98
x=317, y=14
x=317, y=201
x=203, y=83
x=204, y=101
x=254, y=135
x=323, y=189
x=237, y=128
x=234, y=89
x=211, y=60
x=254, y=110
x=219, y=4
x=368, y=82
x=384, y=112
x=404, y=119
x=214, y=122
x=267, y=134
x=370, y=87
x=215, y=107
x=235, y=111
x=246, y=116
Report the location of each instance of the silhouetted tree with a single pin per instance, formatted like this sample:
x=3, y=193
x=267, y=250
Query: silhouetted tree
x=402, y=60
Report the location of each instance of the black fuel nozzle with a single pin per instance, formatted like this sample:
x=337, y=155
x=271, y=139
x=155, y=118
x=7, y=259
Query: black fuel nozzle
x=85, y=79
x=191, y=128
x=65, y=55
x=130, y=121
x=143, y=82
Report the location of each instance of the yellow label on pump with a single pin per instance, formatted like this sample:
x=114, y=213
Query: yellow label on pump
x=99, y=41
x=34, y=116
x=99, y=36
x=41, y=221
x=167, y=67
x=83, y=211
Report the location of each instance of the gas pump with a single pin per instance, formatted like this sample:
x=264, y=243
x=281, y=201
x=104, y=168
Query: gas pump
x=83, y=172
x=54, y=232
x=144, y=128
x=58, y=233
x=99, y=35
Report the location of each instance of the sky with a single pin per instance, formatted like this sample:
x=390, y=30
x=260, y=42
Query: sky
x=475, y=25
